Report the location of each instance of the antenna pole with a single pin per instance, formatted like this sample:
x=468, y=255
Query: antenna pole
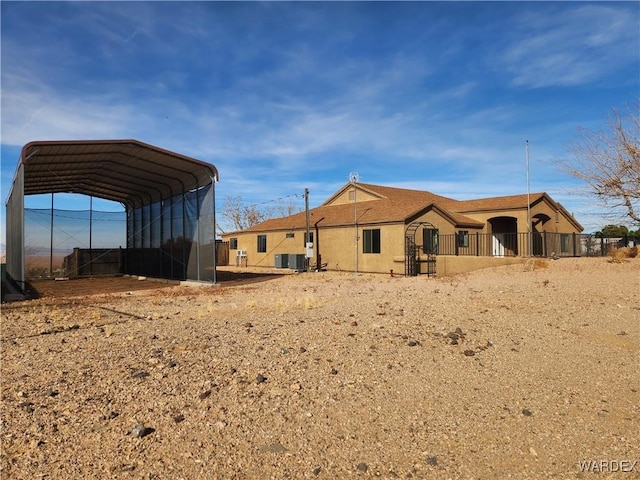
x=353, y=178
x=529, y=226
x=307, y=238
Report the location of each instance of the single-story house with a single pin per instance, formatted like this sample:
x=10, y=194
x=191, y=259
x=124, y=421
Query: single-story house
x=375, y=228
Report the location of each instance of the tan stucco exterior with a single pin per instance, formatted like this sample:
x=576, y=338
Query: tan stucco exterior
x=340, y=242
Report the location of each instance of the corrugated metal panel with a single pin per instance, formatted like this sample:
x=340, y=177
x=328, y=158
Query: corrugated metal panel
x=15, y=228
x=126, y=171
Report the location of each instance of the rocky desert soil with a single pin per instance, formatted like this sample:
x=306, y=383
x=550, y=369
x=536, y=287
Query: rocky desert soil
x=526, y=371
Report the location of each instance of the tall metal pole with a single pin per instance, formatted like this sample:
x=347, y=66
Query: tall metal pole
x=529, y=226
x=307, y=238
x=353, y=178
x=355, y=225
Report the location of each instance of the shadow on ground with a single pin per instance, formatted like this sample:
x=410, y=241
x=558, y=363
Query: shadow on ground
x=39, y=288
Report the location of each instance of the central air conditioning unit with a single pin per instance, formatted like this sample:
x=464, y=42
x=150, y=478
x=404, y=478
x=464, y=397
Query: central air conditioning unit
x=297, y=261
x=241, y=253
x=282, y=260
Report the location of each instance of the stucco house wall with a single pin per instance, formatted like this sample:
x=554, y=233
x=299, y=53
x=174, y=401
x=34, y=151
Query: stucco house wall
x=398, y=212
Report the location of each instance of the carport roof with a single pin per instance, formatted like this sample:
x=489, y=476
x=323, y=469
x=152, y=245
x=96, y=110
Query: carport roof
x=126, y=171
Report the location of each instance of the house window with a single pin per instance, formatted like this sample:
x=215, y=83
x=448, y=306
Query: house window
x=262, y=243
x=307, y=239
x=371, y=241
x=564, y=243
x=291, y=235
x=233, y=243
x=430, y=240
x=463, y=238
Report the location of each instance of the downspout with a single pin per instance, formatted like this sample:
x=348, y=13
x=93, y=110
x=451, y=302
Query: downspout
x=315, y=225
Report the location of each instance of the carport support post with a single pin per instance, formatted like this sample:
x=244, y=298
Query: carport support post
x=184, y=236
x=51, y=241
x=215, y=243
x=90, y=235
x=198, y=192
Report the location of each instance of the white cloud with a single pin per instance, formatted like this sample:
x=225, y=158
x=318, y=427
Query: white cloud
x=573, y=46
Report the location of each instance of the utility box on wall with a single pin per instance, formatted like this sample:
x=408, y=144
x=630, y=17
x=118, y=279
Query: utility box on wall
x=282, y=260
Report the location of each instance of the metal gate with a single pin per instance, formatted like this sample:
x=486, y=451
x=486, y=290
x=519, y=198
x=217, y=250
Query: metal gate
x=413, y=262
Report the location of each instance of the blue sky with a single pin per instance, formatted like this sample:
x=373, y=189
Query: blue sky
x=285, y=96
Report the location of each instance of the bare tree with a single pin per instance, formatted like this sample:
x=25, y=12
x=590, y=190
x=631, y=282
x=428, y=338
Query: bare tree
x=608, y=160
x=241, y=216
x=284, y=209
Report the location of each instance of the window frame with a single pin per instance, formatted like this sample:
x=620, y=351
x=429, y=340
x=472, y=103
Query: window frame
x=371, y=241
x=430, y=241
x=262, y=243
x=462, y=239
x=564, y=243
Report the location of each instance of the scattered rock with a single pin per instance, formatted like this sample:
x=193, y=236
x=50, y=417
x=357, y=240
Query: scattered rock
x=412, y=343
x=272, y=448
x=526, y=412
x=334, y=371
x=432, y=460
x=205, y=394
x=469, y=353
x=362, y=467
x=317, y=470
x=456, y=336
x=178, y=418
x=260, y=378
x=140, y=431
x=27, y=406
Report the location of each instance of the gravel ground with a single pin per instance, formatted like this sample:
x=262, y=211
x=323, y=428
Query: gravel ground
x=525, y=371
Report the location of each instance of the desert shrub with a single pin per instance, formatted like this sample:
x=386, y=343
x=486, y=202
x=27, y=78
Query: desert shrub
x=619, y=255
x=535, y=264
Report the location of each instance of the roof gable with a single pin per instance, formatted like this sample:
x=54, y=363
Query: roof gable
x=344, y=195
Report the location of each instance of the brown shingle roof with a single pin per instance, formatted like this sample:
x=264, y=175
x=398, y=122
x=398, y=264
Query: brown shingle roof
x=499, y=203
x=398, y=205
x=394, y=205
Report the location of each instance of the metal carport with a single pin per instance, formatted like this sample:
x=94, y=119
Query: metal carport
x=157, y=188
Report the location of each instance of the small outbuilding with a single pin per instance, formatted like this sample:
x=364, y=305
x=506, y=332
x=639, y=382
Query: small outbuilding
x=169, y=201
x=375, y=228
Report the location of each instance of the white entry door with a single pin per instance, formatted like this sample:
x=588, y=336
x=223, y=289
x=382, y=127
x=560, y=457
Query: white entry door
x=498, y=244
